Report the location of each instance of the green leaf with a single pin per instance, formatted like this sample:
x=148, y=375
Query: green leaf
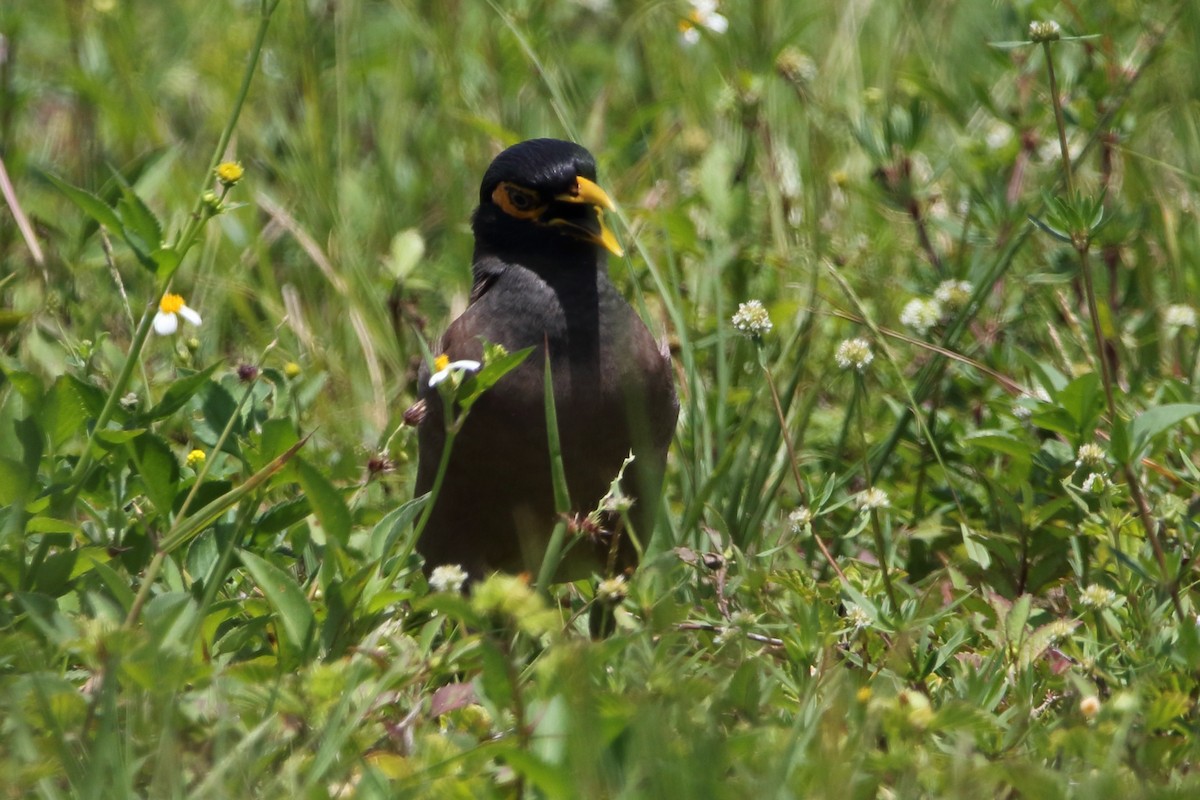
x=1151, y=423
x=1018, y=615
x=393, y=524
x=89, y=203
x=1082, y=399
x=159, y=470
x=114, y=437
x=14, y=481
x=166, y=259
x=70, y=403
x=287, y=601
x=180, y=392
x=141, y=228
x=326, y=502
x=26, y=384
x=494, y=678
x=495, y=367
x=42, y=524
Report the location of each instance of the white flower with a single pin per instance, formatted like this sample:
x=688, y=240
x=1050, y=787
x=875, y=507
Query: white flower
x=1097, y=596
x=1093, y=483
x=611, y=590
x=445, y=368
x=921, y=315
x=752, y=319
x=1044, y=31
x=170, y=309
x=1089, y=455
x=854, y=353
x=703, y=14
x=857, y=617
x=953, y=294
x=1089, y=706
x=1179, y=316
x=873, y=498
x=447, y=578
x=800, y=518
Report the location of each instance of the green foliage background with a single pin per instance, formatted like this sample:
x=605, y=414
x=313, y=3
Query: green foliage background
x=255, y=623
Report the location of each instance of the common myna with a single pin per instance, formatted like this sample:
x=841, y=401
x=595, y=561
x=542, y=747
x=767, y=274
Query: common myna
x=541, y=280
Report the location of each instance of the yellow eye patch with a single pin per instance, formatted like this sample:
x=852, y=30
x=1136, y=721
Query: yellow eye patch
x=517, y=201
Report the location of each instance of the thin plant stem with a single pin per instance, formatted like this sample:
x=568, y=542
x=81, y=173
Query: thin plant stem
x=876, y=527
x=792, y=461
x=1081, y=240
x=200, y=215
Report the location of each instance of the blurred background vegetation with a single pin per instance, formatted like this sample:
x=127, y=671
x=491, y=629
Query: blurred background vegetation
x=835, y=161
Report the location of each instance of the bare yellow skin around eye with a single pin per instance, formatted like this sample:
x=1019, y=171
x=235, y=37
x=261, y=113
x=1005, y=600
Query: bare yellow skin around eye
x=517, y=201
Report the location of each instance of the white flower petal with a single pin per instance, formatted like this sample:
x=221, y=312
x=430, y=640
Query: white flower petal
x=689, y=36
x=189, y=315
x=717, y=23
x=165, y=324
x=464, y=365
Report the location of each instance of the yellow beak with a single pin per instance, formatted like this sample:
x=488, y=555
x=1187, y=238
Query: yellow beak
x=586, y=191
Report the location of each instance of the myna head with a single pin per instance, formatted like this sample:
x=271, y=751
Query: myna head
x=543, y=193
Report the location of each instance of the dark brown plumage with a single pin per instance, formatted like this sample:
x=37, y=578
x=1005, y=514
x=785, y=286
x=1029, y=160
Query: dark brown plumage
x=541, y=280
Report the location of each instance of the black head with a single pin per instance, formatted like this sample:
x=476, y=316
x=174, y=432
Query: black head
x=542, y=193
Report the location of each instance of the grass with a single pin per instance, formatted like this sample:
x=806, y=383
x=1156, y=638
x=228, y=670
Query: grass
x=965, y=568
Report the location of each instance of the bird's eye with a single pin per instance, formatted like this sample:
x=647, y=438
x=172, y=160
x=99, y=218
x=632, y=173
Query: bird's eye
x=517, y=201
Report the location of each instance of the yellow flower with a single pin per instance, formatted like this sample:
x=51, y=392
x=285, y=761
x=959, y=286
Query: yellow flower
x=170, y=309
x=229, y=172
x=292, y=369
x=195, y=458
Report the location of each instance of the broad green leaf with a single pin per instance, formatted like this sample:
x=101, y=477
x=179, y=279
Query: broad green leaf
x=70, y=403
x=15, y=478
x=494, y=677
x=326, y=501
x=998, y=441
x=407, y=250
x=1082, y=398
x=1151, y=423
x=394, y=524
x=158, y=469
x=142, y=230
x=180, y=392
x=26, y=384
x=114, y=437
x=89, y=203
x=286, y=598
x=283, y=515
x=166, y=259
x=1018, y=615
x=41, y=524
x=975, y=551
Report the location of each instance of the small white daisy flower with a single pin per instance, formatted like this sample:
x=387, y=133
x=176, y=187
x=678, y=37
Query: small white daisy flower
x=1093, y=483
x=704, y=14
x=447, y=578
x=872, y=499
x=1179, y=316
x=921, y=315
x=854, y=353
x=612, y=590
x=1090, y=455
x=752, y=318
x=1097, y=596
x=800, y=518
x=953, y=294
x=170, y=309
x=445, y=368
x=857, y=617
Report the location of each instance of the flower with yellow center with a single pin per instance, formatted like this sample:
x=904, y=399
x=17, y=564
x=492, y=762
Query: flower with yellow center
x=170, y=309
x=444, y=368
x=229, y=172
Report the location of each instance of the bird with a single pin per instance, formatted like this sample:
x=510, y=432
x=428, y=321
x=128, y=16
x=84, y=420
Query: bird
x=540, y=280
